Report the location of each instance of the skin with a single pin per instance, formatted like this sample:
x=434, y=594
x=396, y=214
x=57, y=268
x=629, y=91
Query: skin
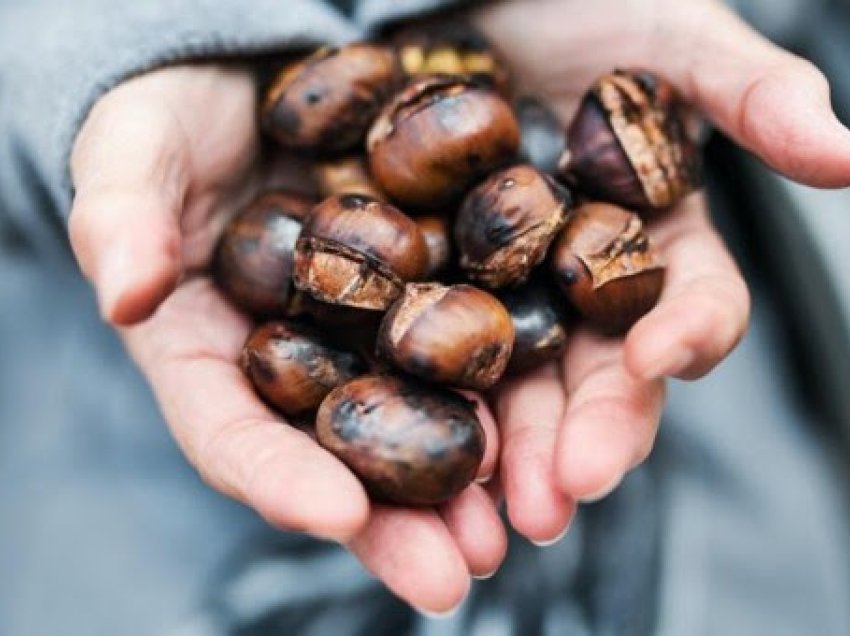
x=164, y=155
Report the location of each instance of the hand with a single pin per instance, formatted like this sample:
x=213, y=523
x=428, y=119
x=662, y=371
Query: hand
x=157, y=166
x=571, y=431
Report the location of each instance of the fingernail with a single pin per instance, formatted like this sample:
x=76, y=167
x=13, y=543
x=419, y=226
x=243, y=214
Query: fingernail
x=484, y=577
x=547, y=542
x=440, y=616
x=485, y=479
x=602, y=492
x=675, y=361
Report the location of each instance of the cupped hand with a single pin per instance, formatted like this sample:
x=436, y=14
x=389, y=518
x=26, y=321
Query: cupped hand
x=571, y=431
x=159, y=165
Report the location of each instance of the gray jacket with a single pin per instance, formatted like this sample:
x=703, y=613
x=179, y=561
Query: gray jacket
x=737, y=525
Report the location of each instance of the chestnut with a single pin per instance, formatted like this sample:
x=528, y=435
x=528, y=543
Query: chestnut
x=542, y=138
x=435, y=229
x=437, y=137
x=458, y=335
x=345, y=175
x=358, y=252
x=607, y=267
x=450, y=47
x=326, y=102
x=254, y=259
x=506, y=224
x=628, y=144
x=293, y=368
x=539, y=325
x=409, y=444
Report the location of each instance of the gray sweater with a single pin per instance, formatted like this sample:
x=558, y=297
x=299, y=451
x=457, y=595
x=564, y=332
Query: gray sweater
x=105, y=530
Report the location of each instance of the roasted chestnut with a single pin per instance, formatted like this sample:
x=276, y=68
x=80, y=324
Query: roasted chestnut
x=450, y=47
x=542, y=136
x=437, y=137
x=254, y=260
x=293, y=368
x=408, y=443
x=607, y=266
x=628, y=144
x=458, y=335
x=326, y=102
x=539, y=325
x=358, y=252
x=435, y=229
x=346, y=175
x=506, y=224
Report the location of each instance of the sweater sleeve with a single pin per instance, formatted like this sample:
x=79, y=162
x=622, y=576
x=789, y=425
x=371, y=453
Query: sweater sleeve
x=57, y=58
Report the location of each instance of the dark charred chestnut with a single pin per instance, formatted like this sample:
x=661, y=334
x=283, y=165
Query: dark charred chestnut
x=435, y=229
x=506, y=225
x=358, y=252
x=254, y=260
x=450, y=47
x=458, y=335
x=347, y=175
x=628, y=143
x=409, y=444
x=437, y=137
x=293, y=368
x=607, y=266
x=326, y=102
x=539, y=325
x=542, y=136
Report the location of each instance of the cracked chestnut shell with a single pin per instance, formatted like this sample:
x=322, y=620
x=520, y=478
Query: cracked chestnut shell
x=346, y=175
x=358, y=252
x=293, y=368
x=409, y=444
x=437, y=137
x=435, y=229
x=254, y=259
x=607, y=266
x=326, y=102
x=542, y=136
x=506, y=224
x=539, y=326
x=628, y=144
x=458, y=335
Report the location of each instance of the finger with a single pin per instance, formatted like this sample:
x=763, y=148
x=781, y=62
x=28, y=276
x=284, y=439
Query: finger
x=473, y=520
x=770, y=101
x=704, y=309
x=491, y=438
x=237, y=445
x=128, y=169
x=530, y=410
x=611, y=418
x=414, y=553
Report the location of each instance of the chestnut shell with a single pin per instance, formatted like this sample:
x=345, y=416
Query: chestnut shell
x=409, y=444
x=326, y=102
x=254, y=260
x=435, y=229
x=506, y=224
x=459, y=335
x=346, y=175
x=358, y=252
x=540, y=329
x=607, y=267
x=293, y=368
x=437, y=137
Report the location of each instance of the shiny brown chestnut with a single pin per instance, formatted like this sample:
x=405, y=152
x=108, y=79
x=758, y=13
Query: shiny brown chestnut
x=409, y=444
x=607, y=266
x=346, y=175
x=326, y=102
x=254, y=260
x=506, y=224
x=293, y=368
x=358, y=252
x=435, y=229
x=437, y=137
x=458, y=335
x=539, y=325
x=542, y=136
x=628, y=144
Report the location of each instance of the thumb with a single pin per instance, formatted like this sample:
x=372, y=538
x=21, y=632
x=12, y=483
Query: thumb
x=128, y=171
